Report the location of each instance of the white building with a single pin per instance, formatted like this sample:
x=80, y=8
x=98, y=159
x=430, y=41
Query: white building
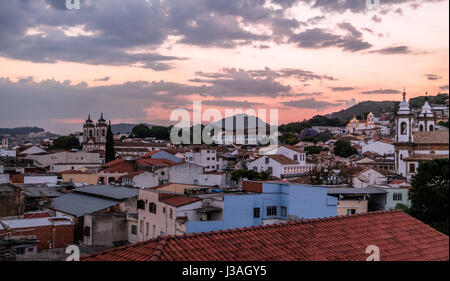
x=141, y=179
x=379, y=147
x=413, y=147
x=67, y=160
x=205, y=157
x=368, y=177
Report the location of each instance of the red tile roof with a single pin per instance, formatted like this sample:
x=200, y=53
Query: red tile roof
x=398, y=236
x=150, y=153
x=119, y=167
x=282, y=159
x=112, y=163
x=177, y=200
x=132, y=175
x=155, y=162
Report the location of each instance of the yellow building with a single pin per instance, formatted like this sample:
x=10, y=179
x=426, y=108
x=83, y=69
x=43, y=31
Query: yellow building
x=79, y=177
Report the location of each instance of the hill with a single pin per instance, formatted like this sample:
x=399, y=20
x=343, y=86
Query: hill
x=363, y=108
x=377, y=107
x=125, y=128
x=20, y=130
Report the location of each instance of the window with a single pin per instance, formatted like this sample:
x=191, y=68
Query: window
x=412, y=168
x=164, y=210
x=141, y=204
x=152, y=208
x=134, y=229
x=272, y=211
x=170, y=213
x=431, y=128
x=162, y=173
x=20, y=251
x=256, y=212
x=141, y=228
x=161, y=233
x=421, y=128
x=87, y=231
x=351, y=211
x=283, y=211
x=403, y=128
x=147, y=228
x=397, y=197
x=295, y=157
x=267, y=160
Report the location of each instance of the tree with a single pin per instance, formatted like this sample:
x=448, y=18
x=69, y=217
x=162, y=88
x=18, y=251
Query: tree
x=66, y=142
x=429, y=195
x=160, y=132
x=249, y=174
x=313, y=149
x=288, y=138
x=141, y=131
x=344, y=149
x=110, y=153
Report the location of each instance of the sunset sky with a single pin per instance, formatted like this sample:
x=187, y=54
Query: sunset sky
x=137, y=60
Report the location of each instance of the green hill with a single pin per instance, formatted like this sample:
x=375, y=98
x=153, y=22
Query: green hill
x=20, y=130
x=363, y=108
x=377, y=107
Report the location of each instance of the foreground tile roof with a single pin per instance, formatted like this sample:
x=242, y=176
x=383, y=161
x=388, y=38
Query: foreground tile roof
x=398, y=236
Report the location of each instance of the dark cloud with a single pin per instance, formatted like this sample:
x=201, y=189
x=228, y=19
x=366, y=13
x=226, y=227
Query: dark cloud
x=355, y=6
x=376, y=19
x=380, y=91
x=342, y=89
x=103, y=79
x=232, y=103
x=432, y=77
x=302, y=94
x=318, y=38
x=310, y=103
x=444, y=87
x=392, y=50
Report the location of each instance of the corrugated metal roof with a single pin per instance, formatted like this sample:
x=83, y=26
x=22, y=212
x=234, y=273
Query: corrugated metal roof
x=109, y=191
x=80, y=204
x=35, y=222
x=340, y=190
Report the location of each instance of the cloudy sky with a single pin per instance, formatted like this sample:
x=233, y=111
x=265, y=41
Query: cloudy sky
x=137, y=60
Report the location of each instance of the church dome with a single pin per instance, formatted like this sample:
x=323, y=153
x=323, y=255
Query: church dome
x=426, y=108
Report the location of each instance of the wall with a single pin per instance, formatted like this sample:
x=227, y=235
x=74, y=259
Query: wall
x=91, y=179
x=390, y=203
x=12, y=201
x=40, y=179
x=185, y=173
x=105, y=229
x=344, y=205
x=62, y=236
x=301, y=201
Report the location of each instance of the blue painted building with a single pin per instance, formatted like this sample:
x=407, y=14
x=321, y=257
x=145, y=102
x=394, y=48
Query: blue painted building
x=269, y=202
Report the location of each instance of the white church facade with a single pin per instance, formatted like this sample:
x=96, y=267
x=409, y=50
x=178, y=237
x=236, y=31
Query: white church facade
x=416, y=139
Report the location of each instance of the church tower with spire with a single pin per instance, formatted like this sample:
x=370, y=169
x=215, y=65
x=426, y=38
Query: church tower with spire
x=403, y=141
x=425, y=119
x=94, y=135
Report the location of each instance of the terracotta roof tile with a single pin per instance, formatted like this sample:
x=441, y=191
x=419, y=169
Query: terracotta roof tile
x=436, y=137
x=177, y=200
x=282, y=159
x=398, y=236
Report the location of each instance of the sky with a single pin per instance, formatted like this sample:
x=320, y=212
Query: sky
x=138, y=60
